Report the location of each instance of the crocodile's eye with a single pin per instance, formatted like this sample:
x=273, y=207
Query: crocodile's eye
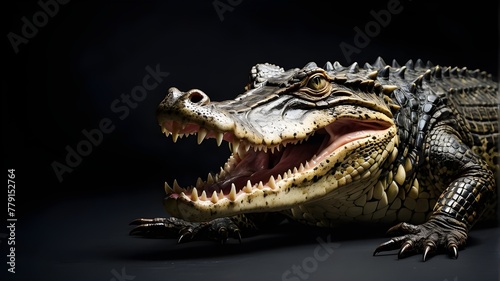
x=317, y=83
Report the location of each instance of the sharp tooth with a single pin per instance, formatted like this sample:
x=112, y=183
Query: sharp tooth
x=248, y=187
x=260, y=185
x=284, y=144
x=227, y=167
x=219, y=137
x=174, y=136
x=221, y=194
x=278, y=147
x=210, y=179
x=222, y=173
x=295, y=170
x=177, y=188
x=194, y=194
x=285, y=175
x=307, y=166
x=301, y=167
x=168, y=189
x=214, y=197
x=202, y=133
x=255, y=148
x=236, y=145
x=279, y=178
x=247, y=147
x=176, y=127
x=165, y=131
x=199, y=182
x=203, y=196
x=232, y=193
x=289, y=172
x=216, y=177
x=272, y=183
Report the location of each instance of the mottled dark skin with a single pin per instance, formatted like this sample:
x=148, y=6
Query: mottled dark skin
x=434, y=178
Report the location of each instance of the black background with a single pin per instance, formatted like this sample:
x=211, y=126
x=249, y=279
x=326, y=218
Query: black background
x=66, y=77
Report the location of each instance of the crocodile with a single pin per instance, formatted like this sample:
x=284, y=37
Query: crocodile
x=412, y=146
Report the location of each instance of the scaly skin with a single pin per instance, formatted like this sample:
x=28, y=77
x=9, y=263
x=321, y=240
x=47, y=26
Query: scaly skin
x=414, y=145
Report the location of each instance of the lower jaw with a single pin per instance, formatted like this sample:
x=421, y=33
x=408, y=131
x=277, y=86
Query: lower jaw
x=256, y=191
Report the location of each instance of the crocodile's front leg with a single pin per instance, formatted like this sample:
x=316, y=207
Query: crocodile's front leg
x=219, y=229
x=470, y=186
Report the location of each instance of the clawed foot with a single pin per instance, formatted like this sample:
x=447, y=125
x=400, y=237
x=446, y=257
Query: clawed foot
x=436, y=235
x=216, y=230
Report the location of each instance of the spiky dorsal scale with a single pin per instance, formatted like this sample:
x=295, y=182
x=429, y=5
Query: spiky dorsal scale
x=379, y=63
x=401, y=72
x=354, y=68
x=409, y=64
x=395, y=64
x=438, y=72
x=328, y=66
x=337, y=66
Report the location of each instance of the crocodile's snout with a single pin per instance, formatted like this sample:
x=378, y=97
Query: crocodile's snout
x=194, y=96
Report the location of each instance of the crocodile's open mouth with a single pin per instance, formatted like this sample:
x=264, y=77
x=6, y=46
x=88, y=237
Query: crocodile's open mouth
x=255, y=168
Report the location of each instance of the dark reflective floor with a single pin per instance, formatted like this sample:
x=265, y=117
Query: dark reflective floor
x=86, y=239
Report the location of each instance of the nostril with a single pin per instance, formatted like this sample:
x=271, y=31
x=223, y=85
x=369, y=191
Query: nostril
x=197, y=97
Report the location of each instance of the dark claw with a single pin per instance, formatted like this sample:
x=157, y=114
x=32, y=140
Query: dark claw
x=136, y=231
x=239, y=235
x=386, y=246
x=181, y=239
x=392, y=244
x=430, y=247
x=428, y=250
x=453, y=251
x=405, y=249
x=186, y=234
x=148, y=229
x=140, y=221
x=223, y=235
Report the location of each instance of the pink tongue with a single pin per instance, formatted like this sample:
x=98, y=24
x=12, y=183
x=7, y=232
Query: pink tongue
x=259, y=166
